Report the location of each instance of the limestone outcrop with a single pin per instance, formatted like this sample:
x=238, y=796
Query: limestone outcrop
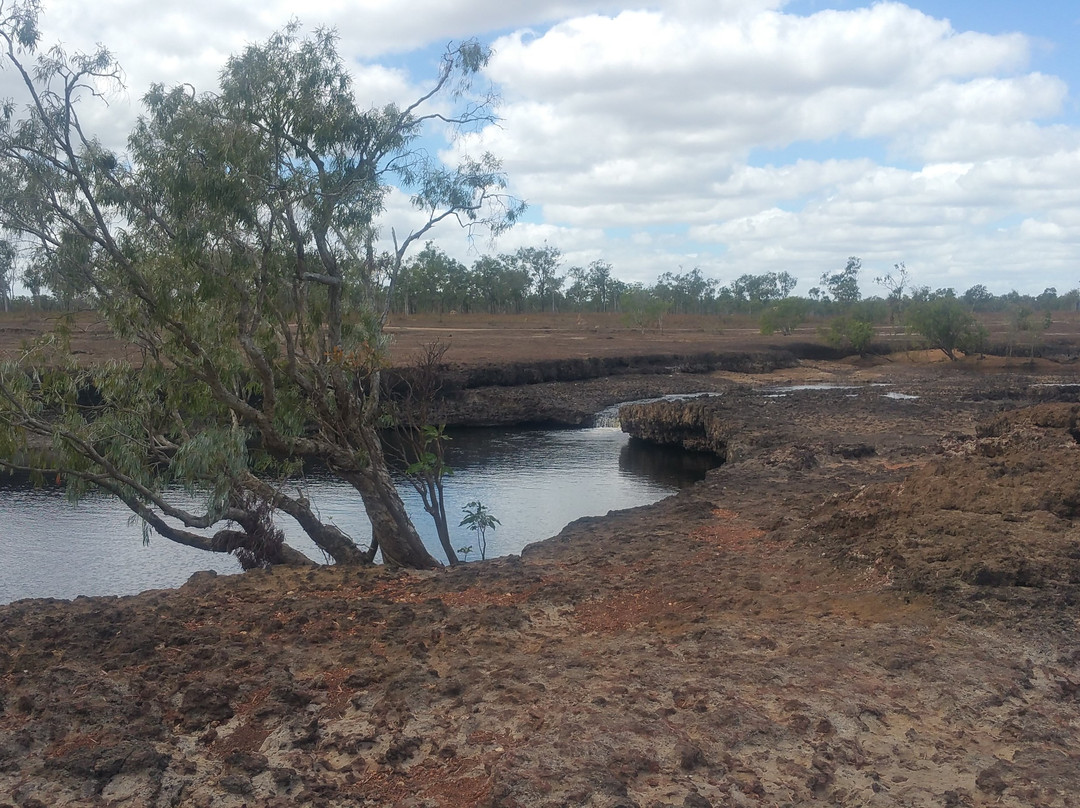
x=697, y=424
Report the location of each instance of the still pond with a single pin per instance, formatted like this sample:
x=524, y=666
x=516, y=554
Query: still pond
x=533, y=481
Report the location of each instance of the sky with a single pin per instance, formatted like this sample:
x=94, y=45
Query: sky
x=736, y=136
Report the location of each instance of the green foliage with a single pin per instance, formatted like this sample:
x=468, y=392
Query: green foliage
x=21, y=24
x=947, y=324
x=541, y=265
x=844, y=285
x=233, y=247
x=978, y=297
x=594, y=287
x=871, y=310
x=642, y=309
x=685, y=292
x=433, y=281
x=785, y=316
x=895, y=282
x=849, y=334
x=479, y=519
x=429, y=461
x=1027, y=324
x=759, y=290
x=8, y=268
x=1047, y=301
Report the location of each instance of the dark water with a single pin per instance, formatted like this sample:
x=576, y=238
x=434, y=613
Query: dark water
x=534, y=482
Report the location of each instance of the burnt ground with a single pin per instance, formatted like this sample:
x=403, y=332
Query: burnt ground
x=872, y=603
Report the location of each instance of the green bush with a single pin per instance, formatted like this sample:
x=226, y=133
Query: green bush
x=850, y=334
x=642, y=310
x=946, y=324
x=785, y=316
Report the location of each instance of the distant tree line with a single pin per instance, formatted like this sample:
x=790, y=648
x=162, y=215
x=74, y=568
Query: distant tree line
x=534, y=279
x=940, y=317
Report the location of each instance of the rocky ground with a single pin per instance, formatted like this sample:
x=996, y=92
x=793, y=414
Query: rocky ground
x=873, y=602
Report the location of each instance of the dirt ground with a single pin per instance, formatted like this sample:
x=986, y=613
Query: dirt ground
x=473, y=340
x=872, y=603
x=494, y=339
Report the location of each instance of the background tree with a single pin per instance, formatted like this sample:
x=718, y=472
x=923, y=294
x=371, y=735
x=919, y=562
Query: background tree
x=977, y=297
x=686, y=292
x=7, y=272
x=593, y=287
x=433, y=281
x=1027, y=324
x=542, y=266
x=756, y=291
x=947, y=325
x=843, y=286
x=1048, y=300
x=234, y=245
x=502, y=287
x=784, y=316
x=895, y=283
x=643, y=308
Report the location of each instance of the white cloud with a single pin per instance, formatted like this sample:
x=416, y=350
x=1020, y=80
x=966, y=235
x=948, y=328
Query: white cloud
x=731, y=134
x=648, y=119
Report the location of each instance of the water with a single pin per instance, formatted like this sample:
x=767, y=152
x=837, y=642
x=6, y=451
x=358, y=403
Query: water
x=533, y=481
x=785, y=390
x=803, y=388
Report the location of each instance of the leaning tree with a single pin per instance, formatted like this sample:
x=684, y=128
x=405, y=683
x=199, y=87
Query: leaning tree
x=234, y=244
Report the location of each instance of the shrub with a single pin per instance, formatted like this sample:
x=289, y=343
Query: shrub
x=849, y=333
x=946, y=324
x=785, y=316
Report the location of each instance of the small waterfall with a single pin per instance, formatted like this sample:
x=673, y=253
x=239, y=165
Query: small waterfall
x=608, y=418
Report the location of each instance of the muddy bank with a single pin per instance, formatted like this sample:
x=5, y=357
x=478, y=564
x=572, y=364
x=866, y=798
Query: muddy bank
x=561, y=404
x=988, y=527
x=985, y=519
x=739, y=422
x=515, y=374
x=752, y=641
x=568, y=392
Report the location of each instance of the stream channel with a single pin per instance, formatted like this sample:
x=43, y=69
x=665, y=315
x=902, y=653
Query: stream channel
x=533, y=481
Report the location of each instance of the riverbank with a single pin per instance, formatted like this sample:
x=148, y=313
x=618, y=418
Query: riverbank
x=807, y=624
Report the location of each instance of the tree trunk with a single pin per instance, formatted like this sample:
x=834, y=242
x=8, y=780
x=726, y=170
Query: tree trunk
x=328, y=538
x=436, y=506
x=390, y=524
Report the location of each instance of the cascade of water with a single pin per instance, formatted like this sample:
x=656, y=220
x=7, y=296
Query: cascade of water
x=608, y=418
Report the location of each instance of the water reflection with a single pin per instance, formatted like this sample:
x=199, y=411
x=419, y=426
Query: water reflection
x=665, y=465
x=534, y=481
